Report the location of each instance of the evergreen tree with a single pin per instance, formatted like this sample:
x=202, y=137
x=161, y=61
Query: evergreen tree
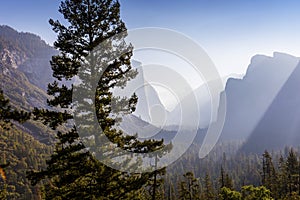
x=189, y=188
x=156, y=185
x=170, y=194
x=269, y=174
x=72, y=171
x=208, y=191
x=250, y=192
x=225, y=180
x=228, y=194
x=282, y=178
x=292, y=167
x=155, y=189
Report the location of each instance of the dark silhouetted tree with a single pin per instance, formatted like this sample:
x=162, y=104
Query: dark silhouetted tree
x=292, y=167
x=269, y=178
x=72, y=171
x=8, y=114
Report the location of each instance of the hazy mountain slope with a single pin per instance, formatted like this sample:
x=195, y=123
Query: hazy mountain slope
x=29, y=53
x=17, y=49
x=147, y=95
x=280, y=126
x=249, y=98
x=203, y=98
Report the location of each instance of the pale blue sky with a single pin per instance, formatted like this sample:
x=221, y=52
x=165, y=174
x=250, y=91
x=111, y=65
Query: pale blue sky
x=230, y=31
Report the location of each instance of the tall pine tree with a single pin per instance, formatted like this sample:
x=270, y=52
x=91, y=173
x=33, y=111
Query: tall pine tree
x=72, y=171
x=269, y=176
x=292, y=167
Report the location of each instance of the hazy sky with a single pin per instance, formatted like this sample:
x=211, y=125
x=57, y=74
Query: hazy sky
x=230, y=31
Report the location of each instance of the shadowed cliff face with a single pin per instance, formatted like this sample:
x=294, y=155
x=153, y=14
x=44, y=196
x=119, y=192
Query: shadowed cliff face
x=249, y=98
x=280, y=125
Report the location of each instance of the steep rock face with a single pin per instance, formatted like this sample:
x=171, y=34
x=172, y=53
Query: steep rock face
x=11, y=57
x=28, y=53
x=148, y=98
x=249, y=98
x=280, y=125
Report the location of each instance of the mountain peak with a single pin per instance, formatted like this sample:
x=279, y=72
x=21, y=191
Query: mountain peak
x=7, y=28
x=267, y=64
x=9, y=34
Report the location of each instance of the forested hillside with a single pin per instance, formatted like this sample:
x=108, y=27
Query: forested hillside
x=24, y=69
x=22, y=153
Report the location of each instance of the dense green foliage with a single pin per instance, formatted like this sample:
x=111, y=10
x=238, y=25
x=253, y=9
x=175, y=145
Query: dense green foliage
x=22, y=153
x=262, y=177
